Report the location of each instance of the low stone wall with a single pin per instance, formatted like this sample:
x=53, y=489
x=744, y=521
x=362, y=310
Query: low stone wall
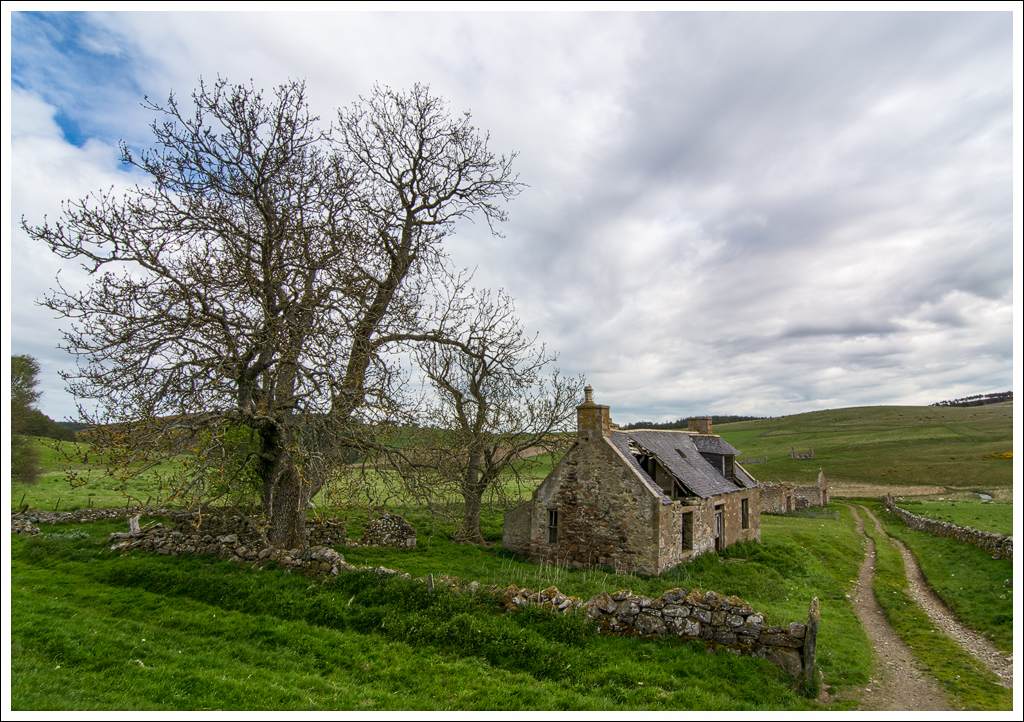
x=999, y=546
x=720, y=622
x=389, y=530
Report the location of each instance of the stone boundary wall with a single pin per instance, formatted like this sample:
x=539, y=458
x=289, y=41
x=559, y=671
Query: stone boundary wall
x=719, y=622
x=998, y=545
x=387, y=530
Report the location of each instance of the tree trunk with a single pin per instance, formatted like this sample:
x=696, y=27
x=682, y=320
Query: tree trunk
x=470, y=531
x=473, y=486
x=287, y=513
x=285, y=494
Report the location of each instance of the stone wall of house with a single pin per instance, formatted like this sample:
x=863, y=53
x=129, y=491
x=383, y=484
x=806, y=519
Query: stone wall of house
x=998, y=545
x=604, y=519
x=515, y=532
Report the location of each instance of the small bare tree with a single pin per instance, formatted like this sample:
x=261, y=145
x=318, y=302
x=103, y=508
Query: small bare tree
x=495, y=406
x=245, y=305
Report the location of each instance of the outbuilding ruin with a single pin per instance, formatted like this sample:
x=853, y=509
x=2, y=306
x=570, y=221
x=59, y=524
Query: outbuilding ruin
x=638, y=501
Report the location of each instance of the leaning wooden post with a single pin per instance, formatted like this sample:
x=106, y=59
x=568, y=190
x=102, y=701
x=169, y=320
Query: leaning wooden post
x=810, y=639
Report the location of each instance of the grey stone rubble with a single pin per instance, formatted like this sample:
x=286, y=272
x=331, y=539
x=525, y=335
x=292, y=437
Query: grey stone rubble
x=719, y=622
x=998, y=545
x=22, y=526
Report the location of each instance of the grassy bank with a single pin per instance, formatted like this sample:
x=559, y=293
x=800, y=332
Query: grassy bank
x=966, y=578
x=967, y=683
x=91, y=630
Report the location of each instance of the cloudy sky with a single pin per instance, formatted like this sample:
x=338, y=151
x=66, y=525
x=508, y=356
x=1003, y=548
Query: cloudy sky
x=749, y=213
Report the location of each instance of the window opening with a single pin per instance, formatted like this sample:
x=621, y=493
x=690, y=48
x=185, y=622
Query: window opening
x=687, y=531
x=552, y=526
x=745, y=513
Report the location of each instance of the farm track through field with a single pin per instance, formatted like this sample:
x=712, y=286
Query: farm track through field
x=897, y=682
x=943, y=618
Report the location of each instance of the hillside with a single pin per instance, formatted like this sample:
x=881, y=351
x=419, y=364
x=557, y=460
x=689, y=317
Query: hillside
x=867, y=450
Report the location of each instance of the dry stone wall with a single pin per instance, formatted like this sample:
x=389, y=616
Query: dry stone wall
x=389, y=530
x=717, y=621
x=998, y=545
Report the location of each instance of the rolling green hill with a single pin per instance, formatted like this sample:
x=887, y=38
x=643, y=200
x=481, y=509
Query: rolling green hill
x=904, y=449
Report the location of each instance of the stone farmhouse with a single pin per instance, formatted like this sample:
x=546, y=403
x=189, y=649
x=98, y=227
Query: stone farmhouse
x=638, y=501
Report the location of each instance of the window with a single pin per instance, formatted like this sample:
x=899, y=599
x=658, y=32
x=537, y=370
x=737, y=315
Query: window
x=552, y=526
x=744, y=513
x=687, y=531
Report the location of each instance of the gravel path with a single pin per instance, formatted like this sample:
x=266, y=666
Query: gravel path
x=897, y=682
x=943, y=618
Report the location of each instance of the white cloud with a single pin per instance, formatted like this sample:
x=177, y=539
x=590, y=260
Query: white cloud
x=745, y=213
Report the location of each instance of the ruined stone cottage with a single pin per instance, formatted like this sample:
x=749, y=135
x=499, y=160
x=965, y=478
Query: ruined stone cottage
x=783, y=498
x=639, y=501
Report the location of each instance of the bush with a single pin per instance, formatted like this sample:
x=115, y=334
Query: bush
x=24, y=459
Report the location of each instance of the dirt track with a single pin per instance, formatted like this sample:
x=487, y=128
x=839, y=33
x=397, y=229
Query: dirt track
x=897, y=682
x=943, y=618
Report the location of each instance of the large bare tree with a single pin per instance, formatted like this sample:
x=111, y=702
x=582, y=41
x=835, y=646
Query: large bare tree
x=496, y=404
x=244, y=305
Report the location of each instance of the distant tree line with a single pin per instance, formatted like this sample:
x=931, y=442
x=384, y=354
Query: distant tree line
x=36, y=423
x=682, y=423
x=979, y=399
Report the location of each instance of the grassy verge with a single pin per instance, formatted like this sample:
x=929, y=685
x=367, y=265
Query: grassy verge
x=991, y=516
x=966, y=578
x=91, y=630
x=968, y=684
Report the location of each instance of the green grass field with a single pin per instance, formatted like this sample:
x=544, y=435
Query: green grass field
x=992, y=516
x=91, y=630
x=885, y=446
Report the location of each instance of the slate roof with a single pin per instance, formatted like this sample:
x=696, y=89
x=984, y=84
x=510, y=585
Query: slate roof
x=693, y=471
x=714, y=445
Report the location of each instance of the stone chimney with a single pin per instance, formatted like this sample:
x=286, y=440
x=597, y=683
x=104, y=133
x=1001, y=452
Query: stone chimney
x=592, y=420
x=699, y=424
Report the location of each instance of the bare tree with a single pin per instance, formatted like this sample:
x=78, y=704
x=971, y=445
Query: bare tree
x=244, y=306
x=495, y=407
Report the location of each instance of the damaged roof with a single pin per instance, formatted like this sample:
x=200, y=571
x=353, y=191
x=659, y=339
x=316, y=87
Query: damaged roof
x=677, y=452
